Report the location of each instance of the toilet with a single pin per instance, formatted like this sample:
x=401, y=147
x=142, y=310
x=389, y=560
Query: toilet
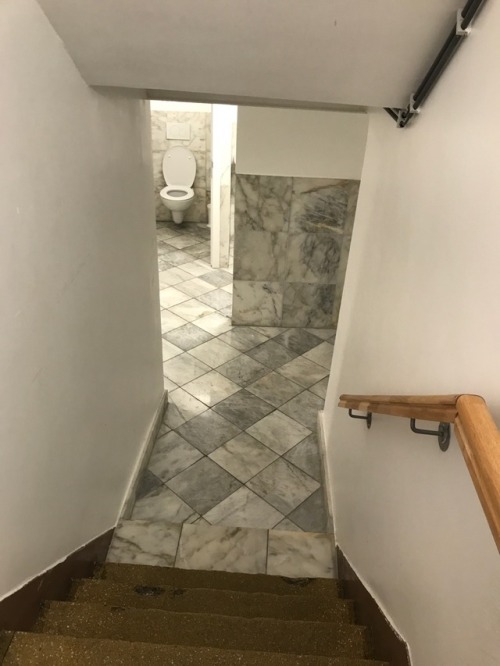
x=179, y=171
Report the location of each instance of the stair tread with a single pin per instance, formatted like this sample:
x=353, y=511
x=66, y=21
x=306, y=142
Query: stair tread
x=31, y=649
x=148, y=575
x=203, y=630
x=323, y=607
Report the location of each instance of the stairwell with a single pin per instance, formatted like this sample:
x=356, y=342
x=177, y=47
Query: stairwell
x=137, y=614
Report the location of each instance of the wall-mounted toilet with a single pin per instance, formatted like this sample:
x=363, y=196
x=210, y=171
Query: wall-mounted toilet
x=179, y=171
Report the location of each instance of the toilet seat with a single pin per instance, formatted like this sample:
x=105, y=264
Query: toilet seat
x=171, y=192
x=179, y=166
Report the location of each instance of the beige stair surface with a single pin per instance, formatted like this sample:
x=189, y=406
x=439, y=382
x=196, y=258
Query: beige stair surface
x=46, y=650
x=137, y=614
x=225, y=602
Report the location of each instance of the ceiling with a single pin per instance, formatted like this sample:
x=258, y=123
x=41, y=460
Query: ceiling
x=299, y=52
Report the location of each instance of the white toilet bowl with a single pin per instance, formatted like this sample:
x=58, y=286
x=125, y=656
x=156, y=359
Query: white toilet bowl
x=179, y=171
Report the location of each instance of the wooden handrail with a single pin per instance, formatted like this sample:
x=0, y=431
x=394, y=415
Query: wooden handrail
x=474, y=427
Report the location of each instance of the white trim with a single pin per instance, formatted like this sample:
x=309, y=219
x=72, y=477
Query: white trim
x=143, y=458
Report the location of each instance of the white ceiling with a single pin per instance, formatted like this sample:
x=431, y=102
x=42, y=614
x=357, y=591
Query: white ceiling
x=315, y=52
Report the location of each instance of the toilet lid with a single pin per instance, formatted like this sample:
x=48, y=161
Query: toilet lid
x=179, y=166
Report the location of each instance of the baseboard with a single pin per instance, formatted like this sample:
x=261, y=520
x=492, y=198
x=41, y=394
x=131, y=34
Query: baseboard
x=143, y=458
x=325, y=470
x=19, y=611
x=387, y=644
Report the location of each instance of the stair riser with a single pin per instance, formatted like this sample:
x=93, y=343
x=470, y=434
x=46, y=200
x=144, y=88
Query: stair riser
x=153, y=626
x=224, y=602
x=216, y=580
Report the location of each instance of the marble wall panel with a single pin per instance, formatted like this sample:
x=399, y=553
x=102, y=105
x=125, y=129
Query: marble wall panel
x=292, y=238
x=199, y=144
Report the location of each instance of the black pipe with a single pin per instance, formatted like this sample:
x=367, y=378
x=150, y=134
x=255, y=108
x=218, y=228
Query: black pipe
x=391, y=112
x=447, y=51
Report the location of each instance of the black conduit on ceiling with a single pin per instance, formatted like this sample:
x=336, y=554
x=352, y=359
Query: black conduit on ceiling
x=457, y=35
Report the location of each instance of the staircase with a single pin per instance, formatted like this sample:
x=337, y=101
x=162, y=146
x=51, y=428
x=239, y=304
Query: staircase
x=135, y=614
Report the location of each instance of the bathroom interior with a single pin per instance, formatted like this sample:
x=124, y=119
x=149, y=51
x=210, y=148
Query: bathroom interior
x=254, y=213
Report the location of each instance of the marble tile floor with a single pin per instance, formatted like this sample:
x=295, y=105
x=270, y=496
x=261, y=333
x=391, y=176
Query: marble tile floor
x=238, y=444
x=220, y=548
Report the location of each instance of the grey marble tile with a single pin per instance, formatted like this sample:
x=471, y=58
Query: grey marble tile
x=272, y=354
x=274, y=388
x=218, y=278
x=308, y=305
x=243, y=457
x=168, y=350
x=295, y=555
x=200, y=251
x=182, y=406
x=283, y=485
x=320, y=388
x=311, y=515
x=215, y=323
x=192, y=310
x=184, y=368
x=313, y=258
x=259, y=303
x=172, y=276
x=177, y=257
x=214, y=352
x=148, y=482
x=182, y=241
x=243, y=409
x=297, y=340
x=279, y=432
x=260, y=255
x=306, y=457
x=217, y=299
x=203, y=485
x=246, y=202
x=303, y=371
x=208, y=431
x=143, y=542
x=269, y=331
x=243, y=338
x=227, y=311
x=194, y=287
x=188, y=336
x=218, y=548
x=275, y=199
x=163, y=504
x=171, y=455
x=243, y=370
x=196, y=268
x=287, y=525
x=304, y=408
x=319, y=205
x=212, y=388
x=170, y=321
x=322, y=355
x=244, y=509
x=323, y=333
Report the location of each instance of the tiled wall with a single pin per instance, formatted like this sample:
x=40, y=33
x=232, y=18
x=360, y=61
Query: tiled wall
x=292, y=238
x=199, y=144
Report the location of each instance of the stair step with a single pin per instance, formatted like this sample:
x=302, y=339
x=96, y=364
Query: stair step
x=222, y=602
x=31, y=649
x=217, y=580
x=202, y=630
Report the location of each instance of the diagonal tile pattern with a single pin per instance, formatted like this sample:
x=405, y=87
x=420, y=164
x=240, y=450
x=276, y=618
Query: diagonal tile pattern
x=238, y=445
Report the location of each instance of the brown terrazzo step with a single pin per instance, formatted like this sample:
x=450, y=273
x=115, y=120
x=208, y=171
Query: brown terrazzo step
x=217, y=580
x=202, y=630
x=221, y=602
x=47, y=650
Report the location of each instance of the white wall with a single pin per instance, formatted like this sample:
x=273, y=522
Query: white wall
x=80, y=353
x=421, y=315
x=180, y=107
x=292, y=142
